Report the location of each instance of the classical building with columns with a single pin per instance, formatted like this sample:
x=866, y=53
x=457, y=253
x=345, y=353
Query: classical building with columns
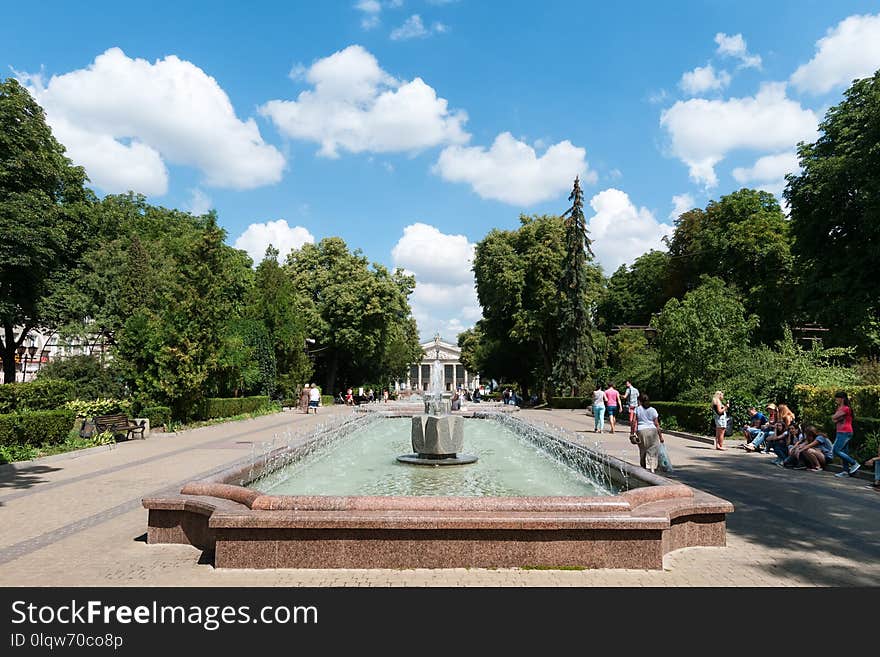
x=448, y=357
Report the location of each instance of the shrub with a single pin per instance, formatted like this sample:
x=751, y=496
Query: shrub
x=8, y=423
x=687, y=416
x=95, y=407
x=568, y=402
x=38, y=427
x=217, y=407
x=327, y=400
x=104, y=438
x=39, y=395
x=90, y=378
x=816, y=404
x=157, y=415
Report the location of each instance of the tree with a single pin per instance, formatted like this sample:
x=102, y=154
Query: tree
x=743, y=240
x=43, y=221
x=835, y=218
x=701, y=334
x=633, y=294
x=274, y=303
x=358, y=314
x=574, y=356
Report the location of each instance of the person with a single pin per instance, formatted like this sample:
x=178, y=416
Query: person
x=456, y=401
x=370, y=396
x=843, y=419
x=780, y=439
x=304, y=398
x=816, y=450
x=647, y=427
x=476, y=396
x=612, y=399
x=349, y=398
x=756, y=421
x=314, y=397
x=505, y=396
x=875, y=461
x=719, y=409
x=385, y=396
x=599, y=409
x=785, y=414
x=631, y=396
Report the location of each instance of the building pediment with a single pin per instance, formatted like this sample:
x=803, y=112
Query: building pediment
x=445, y=351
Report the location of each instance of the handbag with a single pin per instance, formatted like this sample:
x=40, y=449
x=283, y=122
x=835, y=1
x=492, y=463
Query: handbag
x=634, y=438
x=663, y=459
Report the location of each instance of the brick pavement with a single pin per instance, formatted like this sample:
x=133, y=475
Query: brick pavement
x=78, y=521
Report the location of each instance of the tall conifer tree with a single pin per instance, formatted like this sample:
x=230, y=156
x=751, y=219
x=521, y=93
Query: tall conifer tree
x=574, y=356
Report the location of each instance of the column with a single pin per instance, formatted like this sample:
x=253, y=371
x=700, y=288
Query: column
x=465, y=379
x=420, y=377
x=454, y=378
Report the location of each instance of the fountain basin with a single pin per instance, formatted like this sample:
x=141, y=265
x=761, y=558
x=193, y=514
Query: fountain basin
x=247, y=528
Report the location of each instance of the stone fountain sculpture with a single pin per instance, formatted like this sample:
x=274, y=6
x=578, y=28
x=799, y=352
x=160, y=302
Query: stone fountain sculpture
x=437, y=436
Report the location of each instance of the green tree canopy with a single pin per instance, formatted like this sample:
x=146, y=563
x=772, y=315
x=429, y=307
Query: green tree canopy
x=742, y=239
x=835, y=218
x=700, y=335
x=634, y=293
x=44, y=221
x=358, y=314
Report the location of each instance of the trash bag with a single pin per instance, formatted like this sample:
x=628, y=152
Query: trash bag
x=663, y=459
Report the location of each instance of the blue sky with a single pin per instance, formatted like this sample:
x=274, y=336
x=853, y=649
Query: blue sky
x=412, y=127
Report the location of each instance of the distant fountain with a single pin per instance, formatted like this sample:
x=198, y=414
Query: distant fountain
x=437, y=436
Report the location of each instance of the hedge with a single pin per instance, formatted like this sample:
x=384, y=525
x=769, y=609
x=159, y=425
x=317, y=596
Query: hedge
x=157, y=415
x=217, y=407
x=39, y=395
x=327, y=400
x=569, y=402
x=36, y=427
x=688, y=416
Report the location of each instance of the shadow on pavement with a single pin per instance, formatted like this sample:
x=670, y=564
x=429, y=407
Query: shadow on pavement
x=26, y=477
x=795, y=510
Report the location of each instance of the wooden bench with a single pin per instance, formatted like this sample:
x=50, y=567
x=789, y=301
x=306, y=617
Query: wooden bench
x=119, y=425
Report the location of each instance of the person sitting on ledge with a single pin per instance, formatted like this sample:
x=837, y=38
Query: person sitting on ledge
x=757, y=420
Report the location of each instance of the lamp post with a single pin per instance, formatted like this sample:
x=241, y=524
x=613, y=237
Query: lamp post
x=21, y=358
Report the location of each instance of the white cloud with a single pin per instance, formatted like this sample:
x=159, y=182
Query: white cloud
x=510, y=171
x=704, y=131
x=681, y=203
x=371, y=10
x=412, y=28
x=704, y=78
x=735, y=46
x=849, y=51
x=199, y=202
x=257, y=237
x=768, y=172
x=356, y=106
x=123, y=119
x=620, y=231
x=444, y=299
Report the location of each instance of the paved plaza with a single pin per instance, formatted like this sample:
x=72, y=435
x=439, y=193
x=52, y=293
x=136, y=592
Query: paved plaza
x=78, y=520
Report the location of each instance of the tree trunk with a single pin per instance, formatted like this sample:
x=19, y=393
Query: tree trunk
x=8, y=352
x=332, y=368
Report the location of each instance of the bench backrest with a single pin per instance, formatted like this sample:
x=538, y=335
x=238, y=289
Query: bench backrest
x=111, y=420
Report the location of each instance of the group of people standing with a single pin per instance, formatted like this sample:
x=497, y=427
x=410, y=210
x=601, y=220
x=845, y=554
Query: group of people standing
x=644, y=421
x=607, y=401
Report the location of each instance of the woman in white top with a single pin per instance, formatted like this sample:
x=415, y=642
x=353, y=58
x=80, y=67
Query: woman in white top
x=599, y=409
x=649, y=433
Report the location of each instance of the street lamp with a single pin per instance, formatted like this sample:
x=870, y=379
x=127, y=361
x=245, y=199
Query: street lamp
x=21, y=358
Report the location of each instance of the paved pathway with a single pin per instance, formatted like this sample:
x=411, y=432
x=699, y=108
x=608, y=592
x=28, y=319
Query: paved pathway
x=78, y=521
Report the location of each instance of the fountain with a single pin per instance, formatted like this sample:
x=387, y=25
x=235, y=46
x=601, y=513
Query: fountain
x=437, y=436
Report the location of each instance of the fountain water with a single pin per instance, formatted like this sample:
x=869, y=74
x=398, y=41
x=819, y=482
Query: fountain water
x=437, y=436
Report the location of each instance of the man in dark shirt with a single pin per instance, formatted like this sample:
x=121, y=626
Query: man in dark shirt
x=756, y=424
